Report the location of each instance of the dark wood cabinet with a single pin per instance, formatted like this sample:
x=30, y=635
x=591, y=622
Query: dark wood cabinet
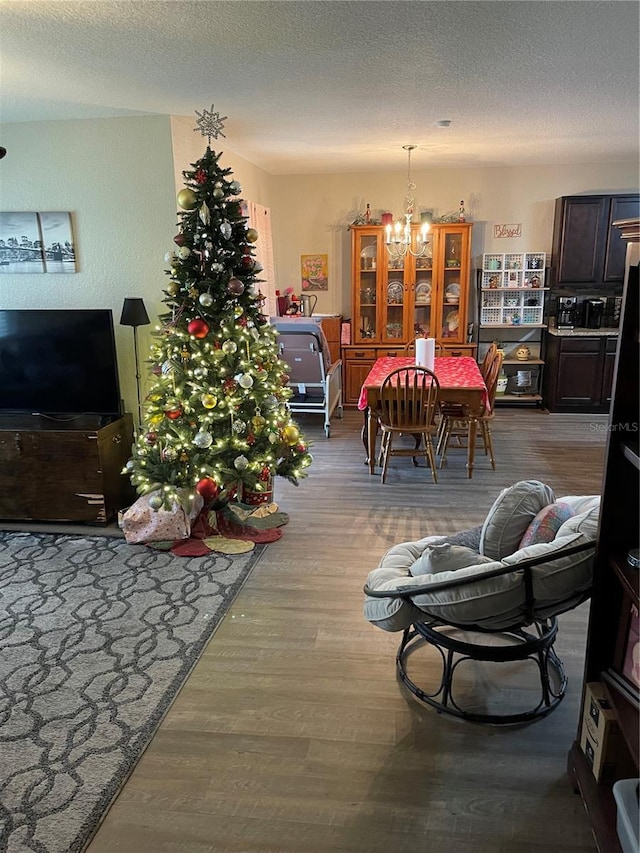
x=52, y=471
x=588, y=252
x=615, y=587
x=579, y=373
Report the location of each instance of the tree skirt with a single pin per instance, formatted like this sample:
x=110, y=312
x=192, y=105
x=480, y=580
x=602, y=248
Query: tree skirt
x=96, y=638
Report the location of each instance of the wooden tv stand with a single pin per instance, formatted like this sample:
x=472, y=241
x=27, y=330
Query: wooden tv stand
x=57, y=470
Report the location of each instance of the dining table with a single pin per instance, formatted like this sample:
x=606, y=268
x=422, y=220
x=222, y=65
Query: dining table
x=460, y=382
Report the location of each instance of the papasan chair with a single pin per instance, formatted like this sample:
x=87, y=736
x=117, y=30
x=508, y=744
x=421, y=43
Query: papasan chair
x=491, y=594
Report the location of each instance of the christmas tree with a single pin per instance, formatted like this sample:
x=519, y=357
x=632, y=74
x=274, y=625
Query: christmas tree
x=215, y=419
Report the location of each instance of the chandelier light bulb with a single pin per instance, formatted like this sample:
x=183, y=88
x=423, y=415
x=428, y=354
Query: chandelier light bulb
x=398, y=240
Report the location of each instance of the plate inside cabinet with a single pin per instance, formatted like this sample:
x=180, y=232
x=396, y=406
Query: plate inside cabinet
x=451, y=321
x=395, y=292
x=423, y=293
x=452, y=292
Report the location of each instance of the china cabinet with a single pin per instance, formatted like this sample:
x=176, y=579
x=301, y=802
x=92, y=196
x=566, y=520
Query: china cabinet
x=512, y=311
x=395, y=300
x=612, y=641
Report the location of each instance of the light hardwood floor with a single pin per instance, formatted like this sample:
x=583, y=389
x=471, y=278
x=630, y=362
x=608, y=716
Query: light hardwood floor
x=292, y=732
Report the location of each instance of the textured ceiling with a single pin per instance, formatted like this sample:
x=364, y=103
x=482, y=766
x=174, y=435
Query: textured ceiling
x=333, y=86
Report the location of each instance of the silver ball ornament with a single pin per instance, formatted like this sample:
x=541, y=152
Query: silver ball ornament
x=155, y=502
x=240, y=463
x=203, y=439
x=235, y=188
x=245, y=381
x=184, y=252
x=229, y=347
x=206, y=300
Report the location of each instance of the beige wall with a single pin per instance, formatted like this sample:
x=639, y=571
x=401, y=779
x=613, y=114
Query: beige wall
x=312, y=213
x=116, y=178
x=119, y=178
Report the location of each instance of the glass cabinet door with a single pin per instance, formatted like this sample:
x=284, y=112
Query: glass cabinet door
x=422, y=295
x=367, y=276
x=454, y=250
x=395, y=294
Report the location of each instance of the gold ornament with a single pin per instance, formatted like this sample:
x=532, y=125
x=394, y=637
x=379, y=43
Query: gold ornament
x=187, y=199
x=209, y=401
x=251, y=235
x=156, y=419
x=291, y=434
x=172, y=288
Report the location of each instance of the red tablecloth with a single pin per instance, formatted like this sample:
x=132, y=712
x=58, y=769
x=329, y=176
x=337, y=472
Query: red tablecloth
x=451, y=372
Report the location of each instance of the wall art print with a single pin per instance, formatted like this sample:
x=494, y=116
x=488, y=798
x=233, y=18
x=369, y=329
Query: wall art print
x=36, y=242
x=315, y=272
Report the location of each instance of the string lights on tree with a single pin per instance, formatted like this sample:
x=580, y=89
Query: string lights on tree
x=215, y=420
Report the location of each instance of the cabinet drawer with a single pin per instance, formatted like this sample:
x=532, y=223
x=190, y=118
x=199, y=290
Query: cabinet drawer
x=388, y=352
x=458, y=351
x=360, y=355
x=612, y=345
x=580, y=344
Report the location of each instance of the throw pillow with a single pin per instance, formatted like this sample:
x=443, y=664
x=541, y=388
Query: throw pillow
x=444, y=557
x=546, y=524
x=512, y=512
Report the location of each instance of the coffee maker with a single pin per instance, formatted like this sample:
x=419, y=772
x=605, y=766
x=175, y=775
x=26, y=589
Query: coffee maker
x=592, y=313
x=566, y=312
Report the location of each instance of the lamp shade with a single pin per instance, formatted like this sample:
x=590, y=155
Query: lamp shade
x=134, y=313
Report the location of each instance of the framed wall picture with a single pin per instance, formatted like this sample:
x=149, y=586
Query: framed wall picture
x=36, y=242
x=315, y=272
x=20, y=244
x=57, y=242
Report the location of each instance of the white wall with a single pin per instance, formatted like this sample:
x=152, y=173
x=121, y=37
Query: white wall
x=116, y=178
x=312, y=213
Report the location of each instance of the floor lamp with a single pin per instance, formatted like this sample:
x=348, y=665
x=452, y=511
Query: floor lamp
x=135, y=314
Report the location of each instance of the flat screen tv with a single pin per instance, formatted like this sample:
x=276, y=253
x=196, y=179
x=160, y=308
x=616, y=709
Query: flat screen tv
x=58, y=363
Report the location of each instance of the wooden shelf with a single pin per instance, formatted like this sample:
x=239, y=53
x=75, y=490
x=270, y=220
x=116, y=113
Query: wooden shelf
x=523, y=363
x=630, y=451
x=628, y=577
x=514, y=325
x=519, y=398
x=514, y=289
x=626, y=715
x=598, y=801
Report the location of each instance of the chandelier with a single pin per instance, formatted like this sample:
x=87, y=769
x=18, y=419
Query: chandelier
x=398, y=237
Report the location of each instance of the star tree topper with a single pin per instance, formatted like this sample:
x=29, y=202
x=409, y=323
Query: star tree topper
x=210, y=124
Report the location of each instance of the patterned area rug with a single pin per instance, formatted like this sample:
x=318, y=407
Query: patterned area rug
x=96, y=639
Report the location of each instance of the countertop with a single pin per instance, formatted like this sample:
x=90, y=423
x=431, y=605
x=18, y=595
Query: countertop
x=584, y=333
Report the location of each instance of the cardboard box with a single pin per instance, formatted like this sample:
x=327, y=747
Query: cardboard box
x=600, y=738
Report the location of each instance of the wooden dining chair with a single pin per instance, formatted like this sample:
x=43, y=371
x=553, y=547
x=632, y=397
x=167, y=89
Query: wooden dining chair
x=455, y=424
x=487, y=360
x=408, y=400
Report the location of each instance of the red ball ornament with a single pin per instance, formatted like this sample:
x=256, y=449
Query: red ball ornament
x=208, y=489
x=198, y=328
x=174, y=414
x=151, y=437
x=301, y=448
x=180, y=239
x=246, y=262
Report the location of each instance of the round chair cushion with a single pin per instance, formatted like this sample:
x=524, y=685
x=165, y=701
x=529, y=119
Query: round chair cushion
x=492, y=603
